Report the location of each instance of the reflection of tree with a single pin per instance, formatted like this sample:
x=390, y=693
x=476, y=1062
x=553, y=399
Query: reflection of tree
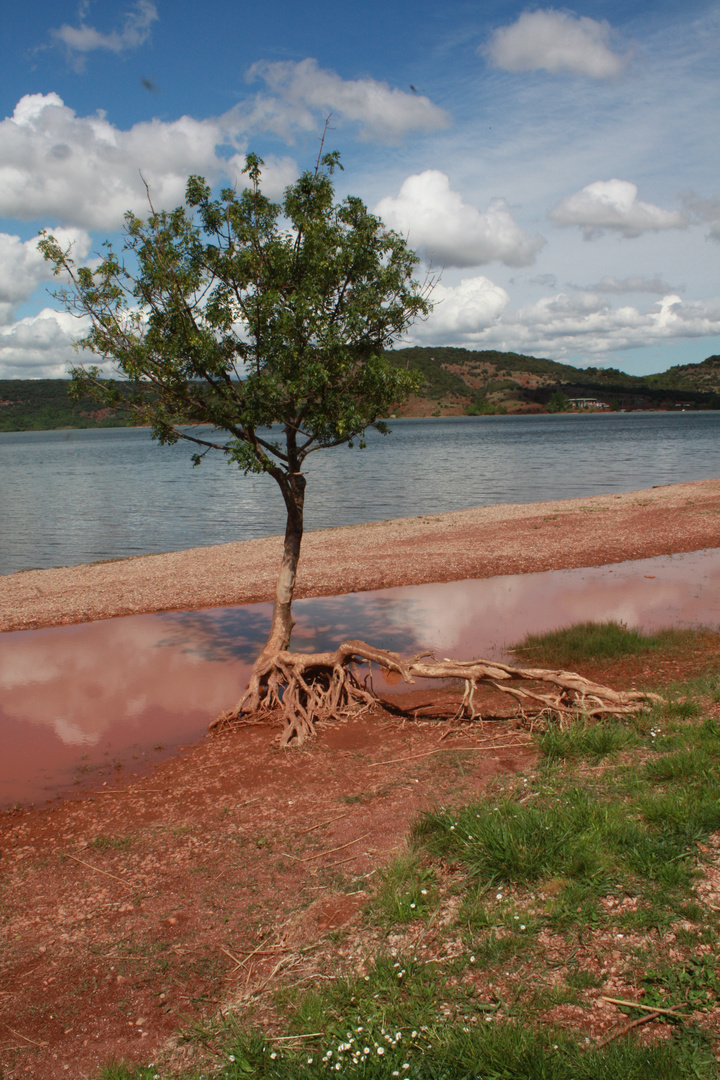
x=235, y=633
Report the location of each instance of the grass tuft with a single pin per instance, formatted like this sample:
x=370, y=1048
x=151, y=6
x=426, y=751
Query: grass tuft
x=597, y=641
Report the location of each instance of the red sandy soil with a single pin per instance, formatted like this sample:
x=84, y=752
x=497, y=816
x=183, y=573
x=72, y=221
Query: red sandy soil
x=132, y=911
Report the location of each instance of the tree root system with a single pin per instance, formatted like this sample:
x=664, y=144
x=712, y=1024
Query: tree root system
x=304, y=688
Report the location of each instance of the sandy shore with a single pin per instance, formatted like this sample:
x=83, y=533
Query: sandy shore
x=481, y=542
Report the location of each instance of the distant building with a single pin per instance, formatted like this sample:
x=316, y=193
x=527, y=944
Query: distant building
x=586, y=403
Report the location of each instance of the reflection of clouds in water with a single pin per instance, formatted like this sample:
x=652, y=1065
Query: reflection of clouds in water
x=72, y=735
x=470, y=618
x=99, y=678
x=321, y=624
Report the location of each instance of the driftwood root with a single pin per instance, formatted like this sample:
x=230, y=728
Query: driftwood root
x=304, y=688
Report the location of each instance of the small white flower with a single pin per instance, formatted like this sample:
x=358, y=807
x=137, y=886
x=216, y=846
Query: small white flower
x=310, y=1061
x=423, y=892
x=522, y=926
x=499, y=896
x=273, y=1055
x=412, y=905
x=380, y=1051
x=413, y=1034
x=472, y=959
x=366, y=1050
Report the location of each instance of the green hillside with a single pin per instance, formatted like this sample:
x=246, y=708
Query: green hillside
x=44, y=405
x=461, y=380
x=455, y=381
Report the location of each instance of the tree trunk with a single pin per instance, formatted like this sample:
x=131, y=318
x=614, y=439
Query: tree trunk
x=293, y=491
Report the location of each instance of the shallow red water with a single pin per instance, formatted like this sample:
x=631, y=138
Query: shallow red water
x=81, y=703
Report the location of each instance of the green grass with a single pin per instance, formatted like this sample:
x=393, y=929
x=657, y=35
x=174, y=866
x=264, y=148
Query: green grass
x=597, y=641
x=407, y=891
x=513, y=906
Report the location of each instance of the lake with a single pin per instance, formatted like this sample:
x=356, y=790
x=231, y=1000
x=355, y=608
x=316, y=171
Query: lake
x=70, y=497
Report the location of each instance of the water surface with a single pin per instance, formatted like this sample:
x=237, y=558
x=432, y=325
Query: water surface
x=82, y=704
x=70, y=497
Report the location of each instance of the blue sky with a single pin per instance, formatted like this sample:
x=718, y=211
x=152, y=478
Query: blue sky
x=559, y=166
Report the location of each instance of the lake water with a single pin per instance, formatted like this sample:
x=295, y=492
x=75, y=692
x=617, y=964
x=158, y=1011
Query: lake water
x=70, y=497
x=80, y=705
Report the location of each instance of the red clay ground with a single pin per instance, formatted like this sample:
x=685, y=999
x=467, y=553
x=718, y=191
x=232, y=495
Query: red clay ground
x=133, y=912
x=140, y=909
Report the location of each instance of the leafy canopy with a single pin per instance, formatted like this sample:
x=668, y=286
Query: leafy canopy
x=239, y=313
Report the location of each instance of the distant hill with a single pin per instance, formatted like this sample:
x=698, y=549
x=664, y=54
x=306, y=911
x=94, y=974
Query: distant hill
x=455, y=382
x=461, y=380
x=44, y=404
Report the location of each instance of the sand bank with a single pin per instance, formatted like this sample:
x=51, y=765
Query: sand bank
x=475, y=543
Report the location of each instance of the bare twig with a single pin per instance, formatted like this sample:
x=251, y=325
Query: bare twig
x=19, y=1036
x=646, y=1008
x=331, y=851
x=447, y=750
x=321, y=823
x=97, y=869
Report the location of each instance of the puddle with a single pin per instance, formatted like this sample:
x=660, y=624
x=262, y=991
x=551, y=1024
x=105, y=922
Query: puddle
x=81, y=704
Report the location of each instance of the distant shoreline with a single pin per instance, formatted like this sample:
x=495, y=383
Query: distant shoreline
x=481, y=542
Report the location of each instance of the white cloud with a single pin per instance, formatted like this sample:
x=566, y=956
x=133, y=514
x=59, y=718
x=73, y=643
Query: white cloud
x=462, y=311
x=555, y=41
x=707, y=210
x=85, y=171
x=300, y=94
x=450, y=232
x=82, y=170
x=23, y=268
x=613, y=204
x=476, y=314
x=39, y=347
x=84, y=39
x=633, y=284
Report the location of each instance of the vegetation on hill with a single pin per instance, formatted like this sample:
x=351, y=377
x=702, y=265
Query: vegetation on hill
x=46, y=404
x=476, y=382
x=455, y=381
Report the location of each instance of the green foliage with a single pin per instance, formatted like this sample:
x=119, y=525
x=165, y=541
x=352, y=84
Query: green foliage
x=407, y=891
x=597, y=641
x=508, y=1051
x=240, y=313
x=583, y=740
x=46, y=405
x=483, y=407
x=558, y=402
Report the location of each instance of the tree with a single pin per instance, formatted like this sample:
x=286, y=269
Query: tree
x=246, y=315
x=242, y=313
x=559, y=402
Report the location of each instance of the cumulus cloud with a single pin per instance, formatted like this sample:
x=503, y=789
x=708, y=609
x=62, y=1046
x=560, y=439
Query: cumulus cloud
x=477, y=314
x=40, y=346
x=557, y=42
x=613, y=204
x=85, y=171
x=82, y=170
x=23, y=268
x=633, y=284
x=298, y=95
x=83, y=39
x=451, y=232
x=706, y=210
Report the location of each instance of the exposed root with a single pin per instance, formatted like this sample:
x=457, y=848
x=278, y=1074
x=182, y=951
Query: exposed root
x=304, y=688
